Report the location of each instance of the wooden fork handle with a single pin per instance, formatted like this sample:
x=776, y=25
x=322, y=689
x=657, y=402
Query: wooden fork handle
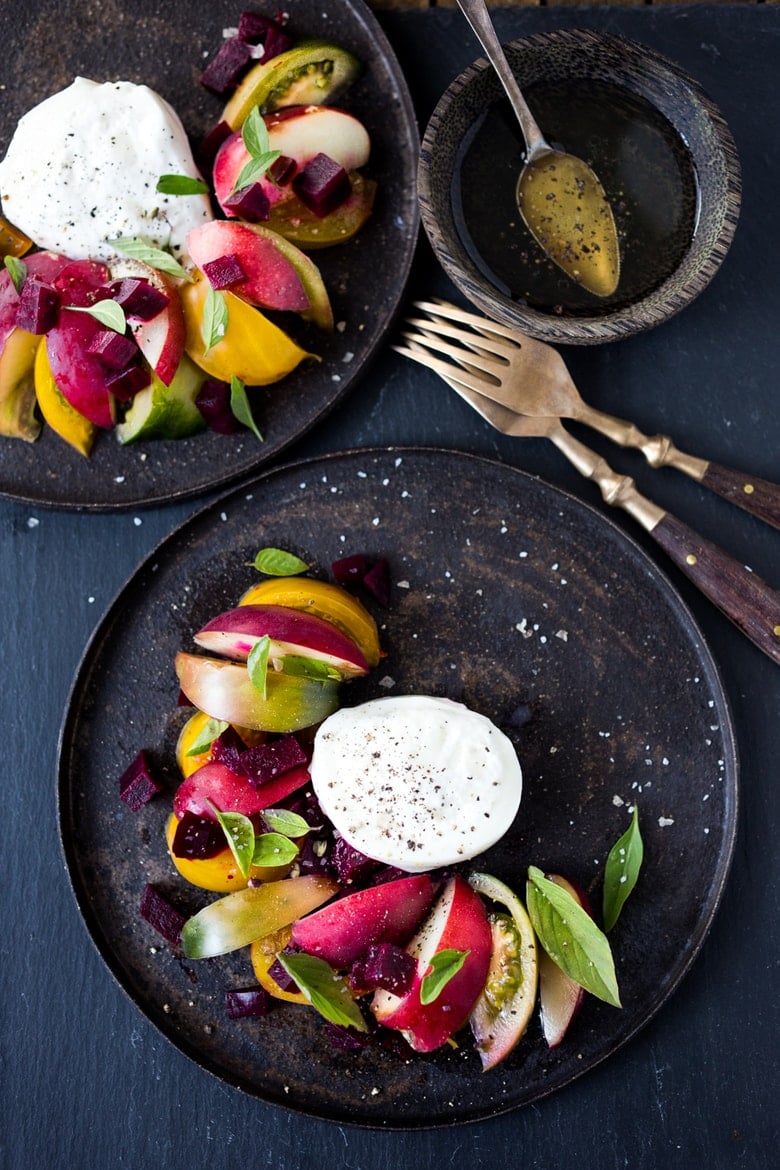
x=751, y=604
x=757, y=496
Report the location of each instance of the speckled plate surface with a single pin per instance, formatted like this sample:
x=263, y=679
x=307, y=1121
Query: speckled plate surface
x=507, y=595
x=161, y=44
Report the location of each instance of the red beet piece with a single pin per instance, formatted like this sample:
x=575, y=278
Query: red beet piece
x=383, y=965
x=275, y=43
x=123, y=384
x=227, y=748
x=250, y=203
x=224, y=271
x=350, y=570
x=139, y=298
x=213, y=402
x=281, y=976
x=323, y=185
x=283, y=169
x=349, y=863
x=249, y=1002
x=114, y=349
x=268, y=760
x=207, y=151
x=39, y=306
x=137, y=785
x=159, y=913
x=347, y=1039
x=377, y=581
x=226, y=67
x=197, y=837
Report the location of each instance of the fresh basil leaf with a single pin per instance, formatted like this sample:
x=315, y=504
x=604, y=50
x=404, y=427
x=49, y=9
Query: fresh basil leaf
x=181, y=185
x=324, y=989
x=139, y=249
x=308, y=667
x=257, y=663
x=214, y=323
x=254, y=133
x=240, y=835
x=108, y=313
x=275, y=562
x=273, y=849
x=255, y=169
x=240, y=408
x=444, y=966
x=570, y=937
x=212, y=729
x=17, y=270
x=282, y=821
x=622, y=870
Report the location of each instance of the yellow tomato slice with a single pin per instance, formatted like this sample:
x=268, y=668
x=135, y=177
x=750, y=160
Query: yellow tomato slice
x=12, y=241
x=57, y=411
x=263, y=954
x=325, y=600
x=219, y=873
x=188, y=735
x=252, y=349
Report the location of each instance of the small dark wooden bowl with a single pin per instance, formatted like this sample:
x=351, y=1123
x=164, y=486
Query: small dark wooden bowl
x=581, y=54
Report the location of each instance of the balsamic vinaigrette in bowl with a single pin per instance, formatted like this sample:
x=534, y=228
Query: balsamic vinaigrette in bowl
x=644, y=165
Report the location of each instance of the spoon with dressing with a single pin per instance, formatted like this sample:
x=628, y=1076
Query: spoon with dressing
x=559, y=197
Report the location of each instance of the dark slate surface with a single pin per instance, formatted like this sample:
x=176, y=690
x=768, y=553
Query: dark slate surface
x=87, y=1081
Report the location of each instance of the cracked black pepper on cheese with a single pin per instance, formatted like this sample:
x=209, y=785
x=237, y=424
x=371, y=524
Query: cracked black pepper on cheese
x=415, y=781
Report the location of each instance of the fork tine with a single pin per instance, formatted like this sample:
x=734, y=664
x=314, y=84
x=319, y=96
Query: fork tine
x=441, y=308
x=444, y=369
x=477, y=360
x=481, y=340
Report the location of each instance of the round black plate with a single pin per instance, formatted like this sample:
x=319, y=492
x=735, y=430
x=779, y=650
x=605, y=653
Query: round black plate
x=507, y=595
x=164, y=45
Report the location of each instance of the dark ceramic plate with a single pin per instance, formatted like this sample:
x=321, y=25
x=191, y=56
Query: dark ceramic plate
x=164, y=44
x=508, y=595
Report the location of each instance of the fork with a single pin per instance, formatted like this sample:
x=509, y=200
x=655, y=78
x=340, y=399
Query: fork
x=748, y=601
x=531, y=378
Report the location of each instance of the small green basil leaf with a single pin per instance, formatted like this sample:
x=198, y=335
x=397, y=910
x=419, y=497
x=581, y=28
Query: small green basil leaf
x=275, y=562
x=181, y=185
x=138, y=249
x=307, y=667
x=273, y=849
x=239, y=405
x=212, y=729
x=254, y=133
x=215, y=318
x=108, y=313
x=240, y=835
x=570, y=937
x=255, y=169
x=282, y=821
x=622, y=870
x=324, y=989
x=257, y=663
x=17, y=270
x=444, y=966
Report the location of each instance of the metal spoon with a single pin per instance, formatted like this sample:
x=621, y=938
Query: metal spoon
x=560, y=199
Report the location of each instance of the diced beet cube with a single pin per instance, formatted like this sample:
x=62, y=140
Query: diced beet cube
x=388, y=966
x=137, y=785
x=123, y=384
x=159, y=913
x=213, y=402
x=253, y=27
x=268, y=760
x=249, y=1002
x=349, y=863
x=275, y=43
x=227, y=748
x=377, y=581
x=39, y=306
x=250, y=203
x=197, y=837
x=281, y=976
x=139, y=298
x=282, y=170
x=323, y=185
x=114, y=349
x=347, y=1039
x=207, y=151
x=224, y=271
x=315, y=856
x=350, y=570
x=226, y=67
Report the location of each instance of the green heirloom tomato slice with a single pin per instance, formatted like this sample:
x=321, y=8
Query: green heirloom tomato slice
x=312, y=74
x=165, y=412
x=502, y=1012
x=293, y=220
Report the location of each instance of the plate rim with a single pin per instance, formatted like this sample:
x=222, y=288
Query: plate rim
x=90, y=920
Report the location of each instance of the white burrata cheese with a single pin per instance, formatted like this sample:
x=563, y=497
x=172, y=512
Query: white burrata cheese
x=82, y=168
x=416, y=781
